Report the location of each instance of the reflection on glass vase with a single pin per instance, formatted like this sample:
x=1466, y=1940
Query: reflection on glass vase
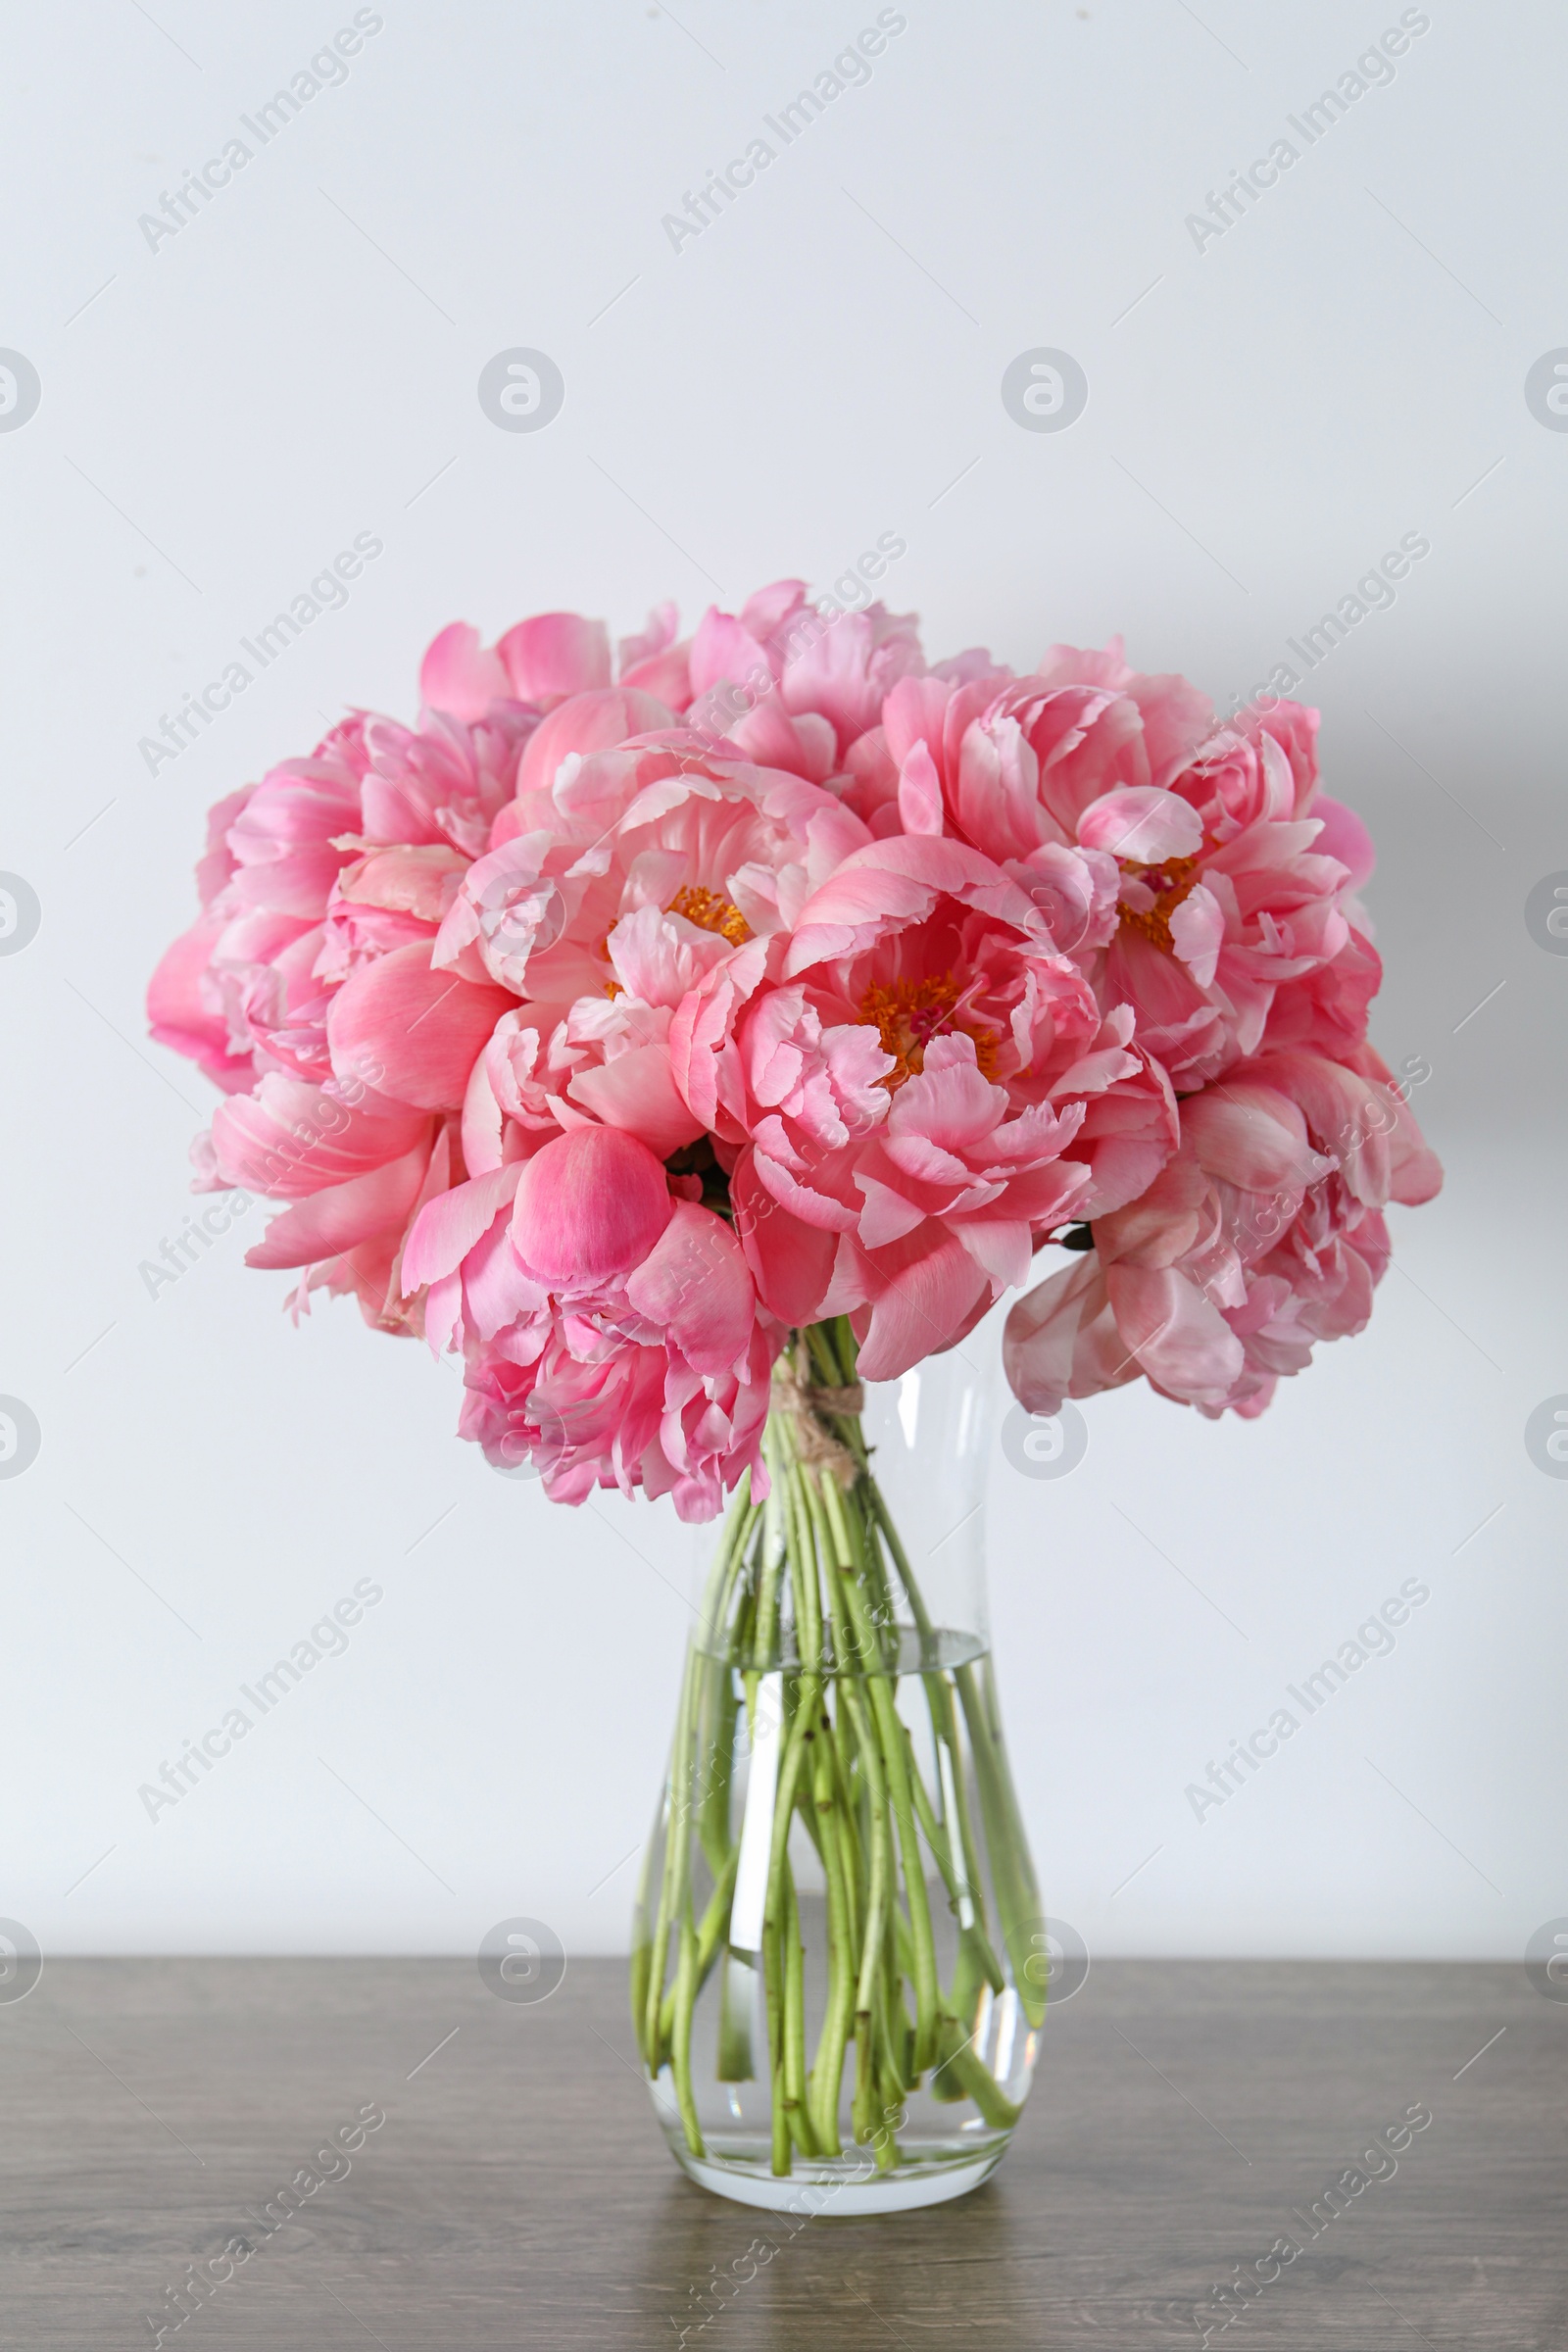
x=839, y=1968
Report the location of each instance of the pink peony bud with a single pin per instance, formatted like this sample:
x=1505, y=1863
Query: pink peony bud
x=590, y=1206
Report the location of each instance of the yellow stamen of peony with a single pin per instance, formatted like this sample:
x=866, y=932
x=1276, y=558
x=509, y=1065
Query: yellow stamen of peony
x=613, y=987
x=1170, y=883
x=709, y=912
x=906, y=1014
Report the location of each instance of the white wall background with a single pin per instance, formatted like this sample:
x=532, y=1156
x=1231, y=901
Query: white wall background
x=226, y=411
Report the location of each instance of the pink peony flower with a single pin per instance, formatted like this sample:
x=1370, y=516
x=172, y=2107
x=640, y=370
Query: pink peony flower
x=645, y=869
x=923, y=1091
x=1219, y=876
x=613, y=1334
x=304, y=989
x=1262, y=1237
x=792, y=686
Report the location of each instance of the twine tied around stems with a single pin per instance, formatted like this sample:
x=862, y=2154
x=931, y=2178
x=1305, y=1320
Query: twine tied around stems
x=806, y=1404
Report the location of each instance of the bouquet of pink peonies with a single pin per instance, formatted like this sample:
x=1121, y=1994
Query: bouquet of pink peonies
x=612, y=1032
x=688, y=1050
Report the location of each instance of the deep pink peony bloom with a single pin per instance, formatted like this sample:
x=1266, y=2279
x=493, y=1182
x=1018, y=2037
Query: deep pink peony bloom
x=919, y=1094
x=1263, y=1235
x=642, y=871
x=613, y=1334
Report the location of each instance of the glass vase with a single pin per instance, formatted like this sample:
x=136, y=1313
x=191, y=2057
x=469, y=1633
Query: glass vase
x=840, y=1963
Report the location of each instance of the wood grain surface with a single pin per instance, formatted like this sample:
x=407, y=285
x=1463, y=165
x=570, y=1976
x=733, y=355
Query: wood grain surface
x=519, y=2194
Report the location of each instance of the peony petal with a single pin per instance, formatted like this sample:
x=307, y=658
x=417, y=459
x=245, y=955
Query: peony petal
x=178, y=1015
x=1180, y=1338
x=1252, y=1136
x=1062, y=1341
x=553, y=655
x=1344, y=837
x=590, y=1205
x=343, y=1215
x=412, y=1033
x=588, y=722
x=291, y=1139
x=920, y=807
x=637, y=1092
x=457, y=677
x=791, y=1262
x=1000, y=1246
x=722, y=650
x=893, y=883
x=666, y=676
x=694, y=1285
x=921, y=1292
x=1141, y=825
x=1197, y=933
x=448, y=1227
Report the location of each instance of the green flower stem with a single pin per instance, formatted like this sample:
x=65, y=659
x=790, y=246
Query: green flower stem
x=874, y=1946
x=674, y=1893
x=940, y=1690
x=891, y=1738
x=1010, y=1863
x=775, y=1550
x=979, y=2084
x=792, y=1762
x=827, y=2071
x=675, y=1851
x=681, y=2055
x=774, y=1976
x=1017, y=1896
x=709, y=1942
x=795, y=2109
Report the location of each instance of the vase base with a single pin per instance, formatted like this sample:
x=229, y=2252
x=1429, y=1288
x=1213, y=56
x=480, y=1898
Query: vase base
x=825, y=2195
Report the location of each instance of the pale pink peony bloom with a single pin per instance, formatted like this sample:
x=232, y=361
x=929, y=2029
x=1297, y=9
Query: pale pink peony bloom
x=1220, y=878
x=305, y=987
x=1262, y=1237
x=357, y=1176
x=782, y=673
x=925, y=1091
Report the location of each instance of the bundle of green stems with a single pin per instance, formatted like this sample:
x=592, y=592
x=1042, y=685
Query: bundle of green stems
x=811, y=1616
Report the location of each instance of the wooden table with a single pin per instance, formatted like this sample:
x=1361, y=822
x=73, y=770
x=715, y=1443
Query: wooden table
x=1186, y=2118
